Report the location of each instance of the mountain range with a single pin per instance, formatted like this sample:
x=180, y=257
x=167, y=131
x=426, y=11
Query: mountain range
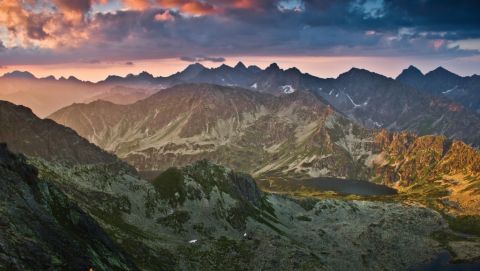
x=294, y=136
x=370, y=99
x=199, y=217
x=234, y=154
x=443, y=83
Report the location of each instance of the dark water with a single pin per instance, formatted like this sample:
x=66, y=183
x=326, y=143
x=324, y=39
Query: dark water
x=442, y=263
x=337, y=185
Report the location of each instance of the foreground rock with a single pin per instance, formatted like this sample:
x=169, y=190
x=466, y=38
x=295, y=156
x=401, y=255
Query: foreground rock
x=42, y=229
x=207, y=217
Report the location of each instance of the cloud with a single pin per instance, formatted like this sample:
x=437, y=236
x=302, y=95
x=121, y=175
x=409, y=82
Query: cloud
x=202, y=59
x=66, y=31
x=137, y=4
x=198, y=8
x=164, y=16
x=31, y=24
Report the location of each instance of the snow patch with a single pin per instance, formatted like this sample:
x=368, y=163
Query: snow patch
x=287, y=89
x=377, y=124
x=354, y=104
x=192, y=241
x=449, y=90
x=255, y=86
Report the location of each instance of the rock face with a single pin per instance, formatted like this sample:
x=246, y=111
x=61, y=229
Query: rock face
x=42, y=229
x=26, y=133
x=249, y=131
x=431, y=166
x=376, y=101
x=443, y=83
x=411, y=158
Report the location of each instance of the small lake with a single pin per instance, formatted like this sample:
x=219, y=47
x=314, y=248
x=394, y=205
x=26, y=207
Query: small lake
x=330, y=184
x=325, y=184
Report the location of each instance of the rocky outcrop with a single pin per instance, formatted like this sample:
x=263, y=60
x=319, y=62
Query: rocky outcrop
x=42, y=229
x=26, y=133
x=408, y=158
x=439, y=172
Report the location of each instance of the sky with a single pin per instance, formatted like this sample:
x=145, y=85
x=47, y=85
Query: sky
x=91, y=39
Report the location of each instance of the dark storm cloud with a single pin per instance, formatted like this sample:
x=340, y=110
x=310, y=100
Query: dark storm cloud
x=253, y=27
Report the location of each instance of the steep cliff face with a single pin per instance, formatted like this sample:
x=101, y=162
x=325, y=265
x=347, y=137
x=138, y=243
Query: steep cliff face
x=295, y=134
x=433, y=166
x=408, y=158
x=42, y=229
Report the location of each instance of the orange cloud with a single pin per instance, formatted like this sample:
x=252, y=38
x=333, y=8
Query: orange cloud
x=138, y=4
x=50, y=28
x=198, y=8
x=165, y=16
x=245, y=4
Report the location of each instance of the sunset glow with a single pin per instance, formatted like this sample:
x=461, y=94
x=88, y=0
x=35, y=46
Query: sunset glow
x=91, y=39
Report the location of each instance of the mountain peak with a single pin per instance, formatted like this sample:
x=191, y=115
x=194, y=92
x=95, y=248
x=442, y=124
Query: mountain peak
x=224, y=67
x=73, y=78
x=145, y=74
x=195, y=66
x=50, y=77
x=440, y=69
x=294, y=70
x=414, y=69
x=273, y=67
x=410, y=74
x=442, y=72
x=19, y=74
x=355, y=71
x=240, y=66
x=254, y=68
